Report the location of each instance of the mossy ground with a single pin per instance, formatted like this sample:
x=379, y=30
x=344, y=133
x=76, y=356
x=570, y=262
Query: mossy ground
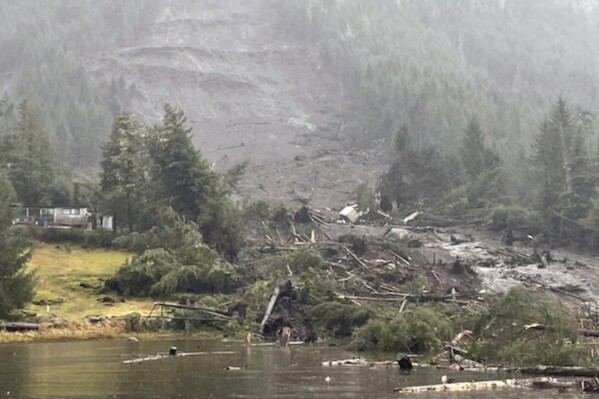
x=60, y=270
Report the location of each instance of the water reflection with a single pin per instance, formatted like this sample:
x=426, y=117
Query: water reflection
x=95, y=370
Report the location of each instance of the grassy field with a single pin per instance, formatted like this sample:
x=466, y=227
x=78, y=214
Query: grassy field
x=59, y=273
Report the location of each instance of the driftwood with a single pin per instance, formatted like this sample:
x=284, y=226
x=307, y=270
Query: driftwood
x=160, y=356
x=346, y=362
x=541, y=383
x=267, y=344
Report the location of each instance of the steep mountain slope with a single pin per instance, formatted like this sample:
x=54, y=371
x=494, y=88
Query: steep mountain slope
x=229, y=70
x=250, y=93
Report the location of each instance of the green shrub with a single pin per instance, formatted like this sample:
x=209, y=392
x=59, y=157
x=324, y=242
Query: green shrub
x=98, y=239
x=57, y=235
x=313, y=289
x=137, y=277
x=420, y=329
x=339, y=319
x=305, y=260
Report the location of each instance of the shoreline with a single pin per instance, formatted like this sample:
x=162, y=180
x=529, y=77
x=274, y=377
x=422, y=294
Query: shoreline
x=86, y=332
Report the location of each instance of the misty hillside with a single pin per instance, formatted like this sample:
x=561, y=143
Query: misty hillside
x=258, y=74
x=433, y=64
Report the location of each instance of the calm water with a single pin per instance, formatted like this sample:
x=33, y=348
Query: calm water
x=96, y=370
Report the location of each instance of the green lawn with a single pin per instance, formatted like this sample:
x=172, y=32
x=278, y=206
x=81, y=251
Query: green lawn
x=59, y=273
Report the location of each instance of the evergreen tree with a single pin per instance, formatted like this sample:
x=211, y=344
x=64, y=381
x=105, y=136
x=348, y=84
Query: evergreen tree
x=184, y=179
x=473, y=149
x=562, y=123
x=125, y=172
x=561, y=161
x=583, y=183
x=16, y=286
x=32, y=161
x=548, y=162
x=476, y=156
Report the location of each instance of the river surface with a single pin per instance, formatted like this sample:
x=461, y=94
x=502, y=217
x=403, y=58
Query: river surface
x=95, y=369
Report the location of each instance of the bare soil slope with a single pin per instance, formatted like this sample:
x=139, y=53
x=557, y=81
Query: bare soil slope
x=250, y=93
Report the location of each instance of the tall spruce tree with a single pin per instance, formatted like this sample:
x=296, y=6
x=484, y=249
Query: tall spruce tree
x=473, y=149
x=16, y=286
x=549, y=165
x=125, y=172
x=561, y=161
x=32, y=160
x=583, y=182
x=476, y=156
x=184, y=179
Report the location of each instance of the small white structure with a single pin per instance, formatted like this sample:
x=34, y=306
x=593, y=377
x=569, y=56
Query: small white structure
x=350, y=213
x=107, y=223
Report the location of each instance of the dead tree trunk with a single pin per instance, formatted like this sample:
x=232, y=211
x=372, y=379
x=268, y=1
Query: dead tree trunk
x=270, y=307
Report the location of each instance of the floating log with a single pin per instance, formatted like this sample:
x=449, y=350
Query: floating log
x=17, y=327
x=541, y=383
x=291, y=343
x=236, y=368
x=346, y=362
x=160, y=356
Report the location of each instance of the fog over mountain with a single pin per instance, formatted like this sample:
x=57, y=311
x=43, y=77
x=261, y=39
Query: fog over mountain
x=243, y=70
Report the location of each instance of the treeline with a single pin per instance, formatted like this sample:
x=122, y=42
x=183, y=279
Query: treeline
x=43, y=50
x=561, y=176
x=30, y=161
x=147, y=172
x=169, y=207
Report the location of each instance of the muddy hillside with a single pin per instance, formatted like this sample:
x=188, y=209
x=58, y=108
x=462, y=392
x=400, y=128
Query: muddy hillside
x=251, y=92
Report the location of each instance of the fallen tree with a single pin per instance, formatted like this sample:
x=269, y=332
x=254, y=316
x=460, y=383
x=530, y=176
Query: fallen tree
x=534, y=383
